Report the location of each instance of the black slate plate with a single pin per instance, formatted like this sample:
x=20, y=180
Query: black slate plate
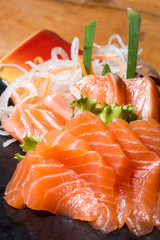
x=27, y=224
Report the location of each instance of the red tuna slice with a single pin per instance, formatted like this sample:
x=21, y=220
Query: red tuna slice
x=144, y=180
x=77, y=155
x=90, y=128
x=46, y=184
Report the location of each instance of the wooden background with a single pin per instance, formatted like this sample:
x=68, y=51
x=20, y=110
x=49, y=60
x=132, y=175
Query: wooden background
x=21, y=18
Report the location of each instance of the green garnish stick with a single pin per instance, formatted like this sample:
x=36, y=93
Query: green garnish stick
x=134, y=21
x=106, y=69
x=89, y=33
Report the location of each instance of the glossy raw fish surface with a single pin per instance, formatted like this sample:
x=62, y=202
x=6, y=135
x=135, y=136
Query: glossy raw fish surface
x=36, y=119
x=144, y=180
x=87, y=126
x=110, y=88
x=31, y=225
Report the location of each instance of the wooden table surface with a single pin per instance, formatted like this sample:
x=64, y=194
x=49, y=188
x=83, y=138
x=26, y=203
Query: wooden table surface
x=19, y=19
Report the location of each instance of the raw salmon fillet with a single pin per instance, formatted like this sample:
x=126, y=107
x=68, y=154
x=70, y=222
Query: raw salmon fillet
x=143, y=94
x=148, y=131
x=144, y=179
x=77, y=155
x=46, y=184
x=87, y=126
x=157, y=212
x=110, y=88
x=36, y=119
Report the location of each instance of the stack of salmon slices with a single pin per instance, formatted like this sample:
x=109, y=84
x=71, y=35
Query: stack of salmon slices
x=105, y=174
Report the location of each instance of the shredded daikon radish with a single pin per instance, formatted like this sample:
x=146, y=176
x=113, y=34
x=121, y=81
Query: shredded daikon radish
x=8, y=142
x=150, y=69
x=3, y=133
x=5, y=110
x=118, y=49
x=14, y=66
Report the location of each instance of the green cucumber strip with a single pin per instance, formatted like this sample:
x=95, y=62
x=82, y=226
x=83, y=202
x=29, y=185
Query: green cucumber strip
x=134, y=22
x=89, y=33
x=106, y=69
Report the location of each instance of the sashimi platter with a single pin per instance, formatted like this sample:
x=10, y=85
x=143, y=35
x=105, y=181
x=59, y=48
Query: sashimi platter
x=80, y=138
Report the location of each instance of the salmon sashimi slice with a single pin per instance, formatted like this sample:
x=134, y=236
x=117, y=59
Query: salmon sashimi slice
x=46, y=184
x=89, y=127
x=143, y=94
x=36, y=119
x=148, y=131
x=157, y=212
x=59, y=104
x=76, y=154
x=144, y=179
x=110, y=88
